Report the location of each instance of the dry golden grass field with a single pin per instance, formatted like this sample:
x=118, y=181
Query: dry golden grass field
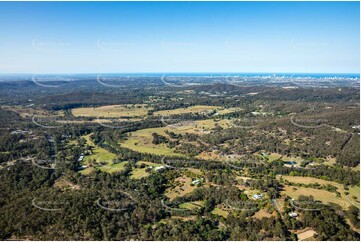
x=191, y=109
x=141, y=140
x=113, y=111
x=139, y=173
x=354, y=191
x=182, y=188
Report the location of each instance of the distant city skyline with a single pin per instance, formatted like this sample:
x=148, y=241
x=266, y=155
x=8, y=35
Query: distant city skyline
x=180, y=37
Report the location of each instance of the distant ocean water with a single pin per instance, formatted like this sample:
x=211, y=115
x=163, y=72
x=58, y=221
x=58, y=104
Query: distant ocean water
x=245, y=74
x=198, y=74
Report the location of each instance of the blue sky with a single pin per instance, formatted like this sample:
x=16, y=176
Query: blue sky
x=98, y=37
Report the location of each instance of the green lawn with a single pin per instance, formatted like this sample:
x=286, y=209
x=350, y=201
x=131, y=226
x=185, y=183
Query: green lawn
x=191, y=205
x=133, y=144
x=113, y=168
x=220, y=212
x=87, y=171
x=354, y=191
x=273, y=157
x=138, y=173
x=100, y=155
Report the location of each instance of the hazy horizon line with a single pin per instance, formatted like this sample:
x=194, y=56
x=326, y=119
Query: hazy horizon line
x=180, y=72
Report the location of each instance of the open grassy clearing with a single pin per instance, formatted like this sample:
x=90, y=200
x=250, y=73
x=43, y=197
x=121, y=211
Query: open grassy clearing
x=64, y=185
x=143, y=146
x=220, y=212
x=288, y=160
x=292, y=161
x=97, y=121
x=308, y=180
x=99, y=155
x=262, y=213
x=228, y=110
x=113, y=167
x=269, y=156
x=330, y=162
x=112, y=111
x=192, y=205
x=306, y=234
x=87, y=171
x=191, y=109
x=319, y=195
x=357, y=168
x=141, y=140
x=274, y=156
x=29, y=112
x=296, y=161
x=195, y=171
x=353, y=191
x=345, y=199
x=187, y=218
x=216, y=155
x=141, y=110
x=243, y=178
x=209, y=156
x=199, y=127
x=138, y=173
x=182, y=187
x=72, y=142
x=280, y=203
x=250, y=192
